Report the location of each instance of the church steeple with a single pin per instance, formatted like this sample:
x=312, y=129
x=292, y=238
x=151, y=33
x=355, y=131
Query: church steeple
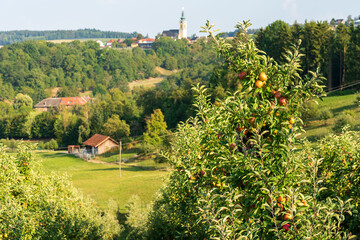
x=183, y=26
x=182, y=16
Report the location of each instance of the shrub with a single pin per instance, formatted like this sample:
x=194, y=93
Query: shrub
x=236, y=172
x=52, y=144
x=357, y=101
x=34, y=205
x=136, y=221
x=310, y=110
x=10, y=143
x=325, y=115
x=41, y=145
x=342, y=121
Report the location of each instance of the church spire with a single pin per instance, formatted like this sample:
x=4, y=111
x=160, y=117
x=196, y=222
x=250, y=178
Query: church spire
x=182, y=16
x=183, y=26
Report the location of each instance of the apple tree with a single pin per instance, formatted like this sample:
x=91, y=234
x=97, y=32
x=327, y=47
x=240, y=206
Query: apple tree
x=237, y=171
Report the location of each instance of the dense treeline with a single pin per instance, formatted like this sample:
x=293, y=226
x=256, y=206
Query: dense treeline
x=9, y=37
x=332, y=48
x=31, y=67
x=28, y=68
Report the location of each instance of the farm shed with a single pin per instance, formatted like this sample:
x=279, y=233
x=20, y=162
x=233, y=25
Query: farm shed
x=73, y=149
x=99, y=144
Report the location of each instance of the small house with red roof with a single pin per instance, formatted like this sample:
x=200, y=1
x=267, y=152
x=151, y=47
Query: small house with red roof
x=109, y=43
x=146, y=43
x=99, y=144
x=53, y=103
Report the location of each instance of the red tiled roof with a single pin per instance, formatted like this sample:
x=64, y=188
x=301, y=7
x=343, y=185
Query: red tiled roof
x=148, y=39
x=70, y=101
x=97, y=140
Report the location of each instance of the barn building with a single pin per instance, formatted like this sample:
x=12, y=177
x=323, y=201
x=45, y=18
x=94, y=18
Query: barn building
x=99, y=144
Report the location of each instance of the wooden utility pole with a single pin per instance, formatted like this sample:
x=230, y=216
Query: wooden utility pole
x=120, y=159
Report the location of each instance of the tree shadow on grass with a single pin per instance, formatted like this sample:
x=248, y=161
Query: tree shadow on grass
x=56, y=155
x=131, y=168
x=341, y=109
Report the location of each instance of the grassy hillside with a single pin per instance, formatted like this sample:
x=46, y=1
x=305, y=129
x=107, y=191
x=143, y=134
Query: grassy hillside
x=102, y=181
x=317, y=128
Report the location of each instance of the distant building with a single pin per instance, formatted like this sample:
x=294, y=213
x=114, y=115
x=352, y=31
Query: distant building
x=357, y=23
x=177, y=33
x=53, y=103
x=183, y=26
x=146, y=43
x=99, y=144
x=340, y=20
x=100, y=43
x=173, y=33
x=109, y=43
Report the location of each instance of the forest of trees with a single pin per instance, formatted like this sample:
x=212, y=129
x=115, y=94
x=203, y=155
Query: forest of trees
x=9, y=37
x=31, y=68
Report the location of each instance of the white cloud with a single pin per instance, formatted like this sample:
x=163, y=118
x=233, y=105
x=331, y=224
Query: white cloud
x=290, y=7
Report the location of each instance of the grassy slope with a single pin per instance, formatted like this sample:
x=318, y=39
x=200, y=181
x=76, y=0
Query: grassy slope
x=102, y=182
x=336, y=104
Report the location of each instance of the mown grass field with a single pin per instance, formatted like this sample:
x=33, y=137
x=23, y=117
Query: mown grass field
x=102, y=181
x=317, y=128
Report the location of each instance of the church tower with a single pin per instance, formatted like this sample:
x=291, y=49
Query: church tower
x=183, y=26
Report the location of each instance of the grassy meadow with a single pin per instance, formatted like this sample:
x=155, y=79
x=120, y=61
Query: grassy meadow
x=102, y=181
x=317, y=128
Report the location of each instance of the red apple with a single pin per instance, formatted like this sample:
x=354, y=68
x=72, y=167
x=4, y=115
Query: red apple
x=283, y=101
x=277, y=95
x=242, y=75
x=286, y=227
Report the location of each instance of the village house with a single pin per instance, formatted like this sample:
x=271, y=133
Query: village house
x=99, y=144
x=53, y=103
x=146, y=43
x=109, y=43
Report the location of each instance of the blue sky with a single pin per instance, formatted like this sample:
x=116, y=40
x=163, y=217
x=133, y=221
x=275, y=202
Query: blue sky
x=154, y=16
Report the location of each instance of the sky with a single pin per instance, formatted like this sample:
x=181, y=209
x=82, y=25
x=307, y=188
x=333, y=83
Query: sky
x=153, y=16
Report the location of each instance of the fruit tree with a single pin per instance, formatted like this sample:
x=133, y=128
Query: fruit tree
x=238, y=174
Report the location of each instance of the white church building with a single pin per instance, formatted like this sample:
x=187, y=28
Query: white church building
x=178, y=33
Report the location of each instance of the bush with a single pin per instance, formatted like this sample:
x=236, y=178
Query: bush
x=310, y=110
x=41, y=145
x=50, y=145
x=136, y=221
x=34, y=205
x=342, y=121
x=325, y=115
x=10, y=143
x=357, y=101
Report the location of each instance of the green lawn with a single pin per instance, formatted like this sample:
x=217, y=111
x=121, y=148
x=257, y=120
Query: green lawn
x=102, y=182
x=317, y=128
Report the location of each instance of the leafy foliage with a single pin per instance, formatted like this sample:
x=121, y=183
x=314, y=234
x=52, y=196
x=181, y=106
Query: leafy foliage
x=237, y=172
x=37, y=206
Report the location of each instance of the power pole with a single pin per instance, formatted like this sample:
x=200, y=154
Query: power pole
x=120, y=159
